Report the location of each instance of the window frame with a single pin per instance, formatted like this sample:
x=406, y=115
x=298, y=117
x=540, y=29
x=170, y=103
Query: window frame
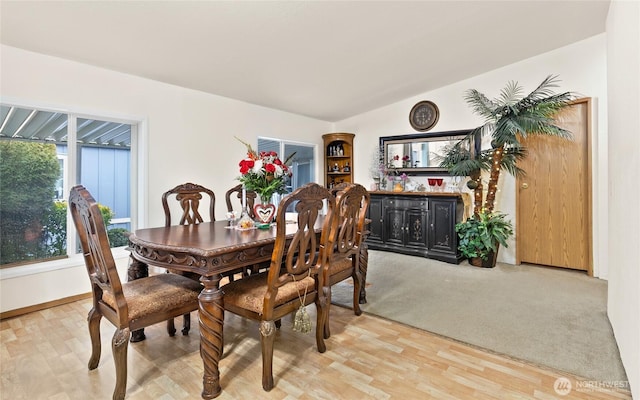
x=138, y=171
x=283, y=142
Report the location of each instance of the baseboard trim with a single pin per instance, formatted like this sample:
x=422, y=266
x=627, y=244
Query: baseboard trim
x=43, y=306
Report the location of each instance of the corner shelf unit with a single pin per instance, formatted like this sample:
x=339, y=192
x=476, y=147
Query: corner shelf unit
x=338, y=158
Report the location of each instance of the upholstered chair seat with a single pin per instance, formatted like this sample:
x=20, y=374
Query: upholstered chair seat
x=248, y=293
x=155, y=294
x=340, y=264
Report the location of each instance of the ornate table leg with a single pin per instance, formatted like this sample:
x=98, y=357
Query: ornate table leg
x=137, y=270
x=211, y=318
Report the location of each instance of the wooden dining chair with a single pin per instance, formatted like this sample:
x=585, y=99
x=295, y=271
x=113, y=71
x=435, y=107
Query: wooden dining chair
x=235, y=193
x=346, y=240
x=128, y=306
x=294, y=278
x=188, y=196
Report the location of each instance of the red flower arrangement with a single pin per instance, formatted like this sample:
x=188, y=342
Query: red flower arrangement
x=264, y=172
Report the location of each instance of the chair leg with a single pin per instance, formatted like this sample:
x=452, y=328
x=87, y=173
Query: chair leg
x=267, y=336
x=356, y=293
x=171, y=328
x=187, y=324
x=322, y=318
x=119, y=345
x=325, y=328
x=364, y=262
x=94, y=332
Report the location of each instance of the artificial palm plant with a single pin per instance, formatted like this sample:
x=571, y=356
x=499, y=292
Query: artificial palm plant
x=508, y=119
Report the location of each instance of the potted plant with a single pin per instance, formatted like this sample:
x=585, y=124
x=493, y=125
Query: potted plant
x=481, y=235
x=508, y=118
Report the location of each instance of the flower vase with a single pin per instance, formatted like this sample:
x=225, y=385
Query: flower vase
x=265, y=211
x=398, y=184
x=383, y=183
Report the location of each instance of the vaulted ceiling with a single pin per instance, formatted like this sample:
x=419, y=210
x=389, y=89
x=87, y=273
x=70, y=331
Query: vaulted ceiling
x=324, y=59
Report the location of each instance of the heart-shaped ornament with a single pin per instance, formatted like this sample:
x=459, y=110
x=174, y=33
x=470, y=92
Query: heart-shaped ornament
x=265, y=212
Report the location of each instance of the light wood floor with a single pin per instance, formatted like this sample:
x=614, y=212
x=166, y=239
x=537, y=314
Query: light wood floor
x=44, y=355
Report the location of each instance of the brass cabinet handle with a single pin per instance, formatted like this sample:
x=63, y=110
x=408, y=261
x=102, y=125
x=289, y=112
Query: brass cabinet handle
x=525, y=185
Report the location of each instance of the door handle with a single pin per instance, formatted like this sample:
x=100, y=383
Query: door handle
x=525, y=185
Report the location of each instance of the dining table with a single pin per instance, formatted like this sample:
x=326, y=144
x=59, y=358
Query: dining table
x=209, y=249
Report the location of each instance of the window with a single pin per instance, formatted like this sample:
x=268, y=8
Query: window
x=302, y=164
x=43, y=153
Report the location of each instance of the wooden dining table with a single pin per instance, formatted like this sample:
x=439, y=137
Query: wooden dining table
x=208, y=249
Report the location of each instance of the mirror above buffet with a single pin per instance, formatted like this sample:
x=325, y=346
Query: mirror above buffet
x=418, y=154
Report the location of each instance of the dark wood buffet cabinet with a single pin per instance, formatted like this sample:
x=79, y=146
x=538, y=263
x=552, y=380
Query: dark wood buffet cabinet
x=416, y=223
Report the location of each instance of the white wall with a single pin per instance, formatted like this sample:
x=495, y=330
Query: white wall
x=581, y=68
x=623, y=44
x=190, y=138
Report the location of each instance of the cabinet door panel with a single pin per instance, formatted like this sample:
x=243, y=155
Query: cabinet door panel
x=416, y=228
x=394, y=226
x=375, y=215
x=442, y=235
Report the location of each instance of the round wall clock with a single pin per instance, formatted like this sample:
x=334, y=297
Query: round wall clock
x=424, y=115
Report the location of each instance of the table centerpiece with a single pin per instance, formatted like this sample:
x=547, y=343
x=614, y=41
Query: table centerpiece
x=265, y=174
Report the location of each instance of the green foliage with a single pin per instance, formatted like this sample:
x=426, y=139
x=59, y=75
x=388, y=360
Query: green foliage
x=107, y=214
x=507, y=119
x=481, y=234
x=55, y=229
x=118, y=237
x=28, y=174
x=33, y=226
x=265, y=185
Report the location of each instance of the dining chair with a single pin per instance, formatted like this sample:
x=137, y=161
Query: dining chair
x=128, y=306
x=294, y=279
x=188, y=196
x=236, y=193
x=346, y=241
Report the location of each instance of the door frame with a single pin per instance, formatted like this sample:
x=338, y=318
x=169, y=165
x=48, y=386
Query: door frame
x=589, y=194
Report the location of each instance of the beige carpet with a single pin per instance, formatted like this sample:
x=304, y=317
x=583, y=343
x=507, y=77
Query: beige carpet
x=551, y=317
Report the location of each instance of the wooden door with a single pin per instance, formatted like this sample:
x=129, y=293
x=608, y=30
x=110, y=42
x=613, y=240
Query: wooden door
x=553, y=200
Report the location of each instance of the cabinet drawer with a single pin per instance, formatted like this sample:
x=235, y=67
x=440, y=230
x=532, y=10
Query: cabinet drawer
x=405, y=203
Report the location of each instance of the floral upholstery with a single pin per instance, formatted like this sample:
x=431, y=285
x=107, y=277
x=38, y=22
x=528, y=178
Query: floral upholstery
x=156, y=294
x=248, y=293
